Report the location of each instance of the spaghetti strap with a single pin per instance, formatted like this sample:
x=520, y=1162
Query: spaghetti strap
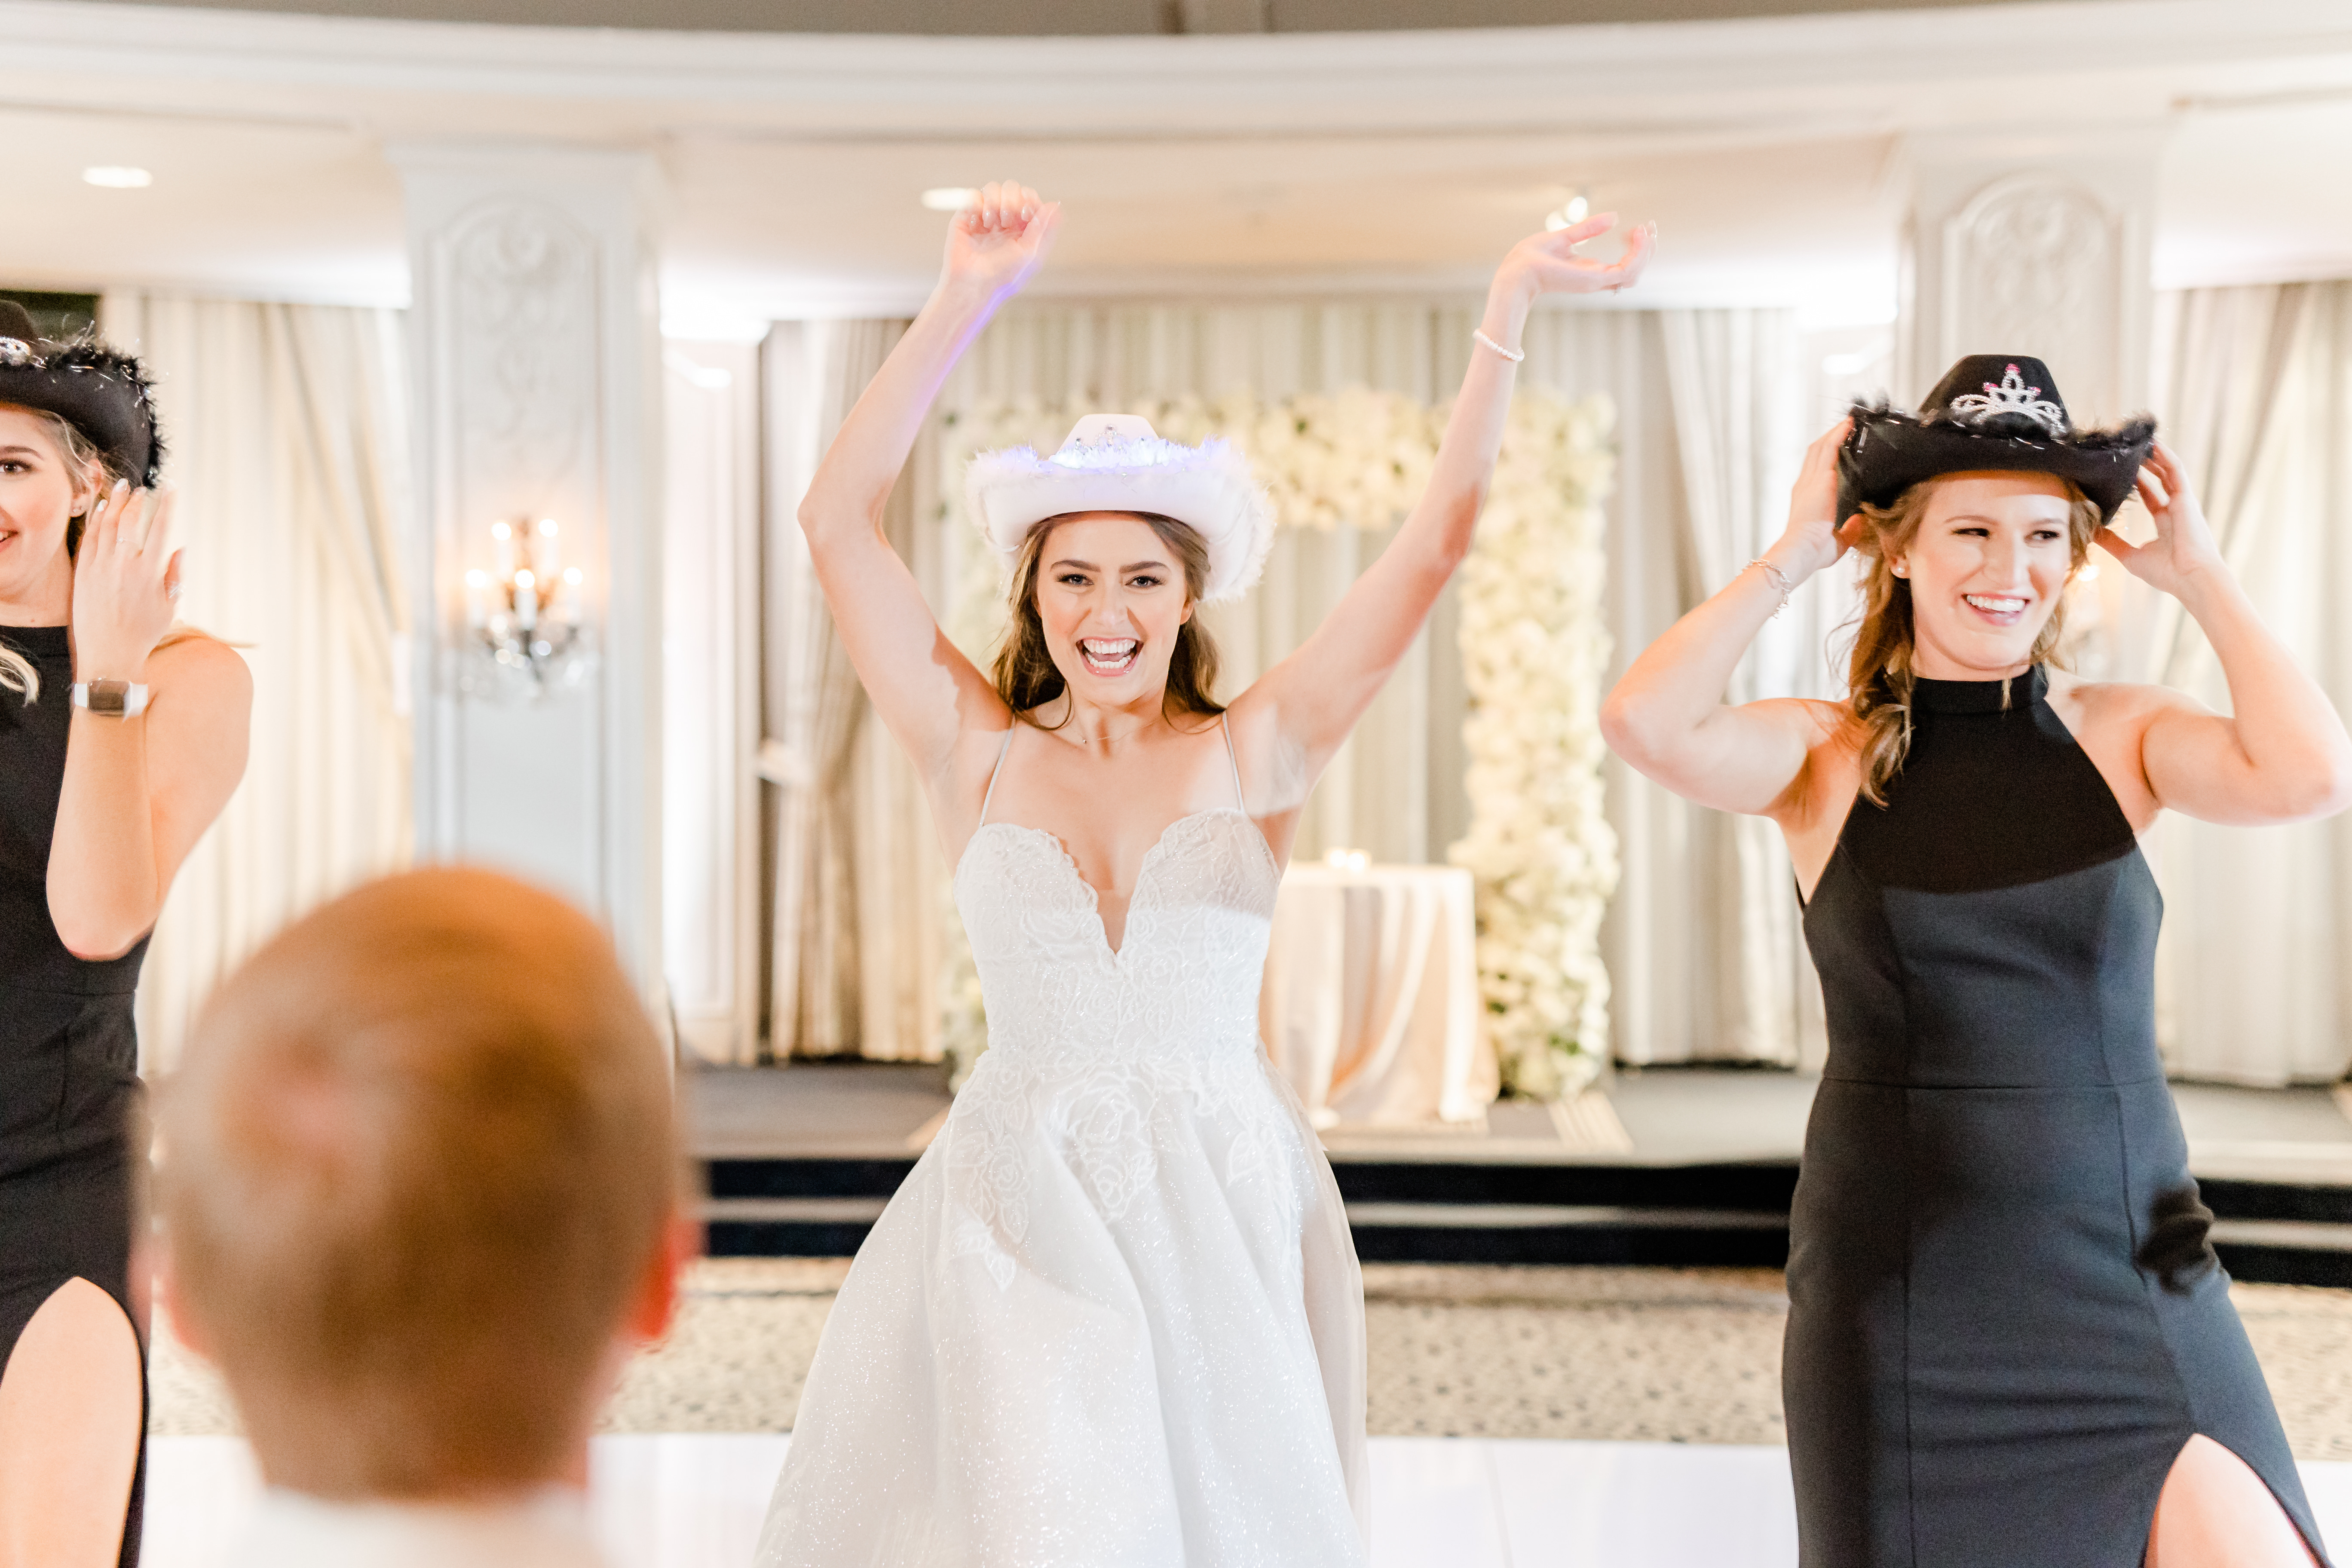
x=1241, y=800
x=1002, y=747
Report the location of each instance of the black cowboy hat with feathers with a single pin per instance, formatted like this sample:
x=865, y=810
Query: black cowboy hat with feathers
x=1991, y=412
x=101, y=393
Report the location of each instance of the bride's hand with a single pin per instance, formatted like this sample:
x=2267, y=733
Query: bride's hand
x=1814, y=538
x=999, y=240
x=1548, y=263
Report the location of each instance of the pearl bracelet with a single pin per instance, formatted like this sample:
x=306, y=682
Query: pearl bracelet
x=1514, y=356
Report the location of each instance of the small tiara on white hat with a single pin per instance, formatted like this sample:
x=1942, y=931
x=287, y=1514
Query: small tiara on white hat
x=1116, y=462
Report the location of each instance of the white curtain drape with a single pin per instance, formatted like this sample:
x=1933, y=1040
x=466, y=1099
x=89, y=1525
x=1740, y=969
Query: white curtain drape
x=855, y=901
x=287, y=446
x=2255, y=389
x=1735, y=383
x=1701, y=941
x=1705, y=960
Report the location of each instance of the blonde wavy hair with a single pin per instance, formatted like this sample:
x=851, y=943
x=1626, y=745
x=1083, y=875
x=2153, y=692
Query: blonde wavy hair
x=1880, y=673
x=85, y=465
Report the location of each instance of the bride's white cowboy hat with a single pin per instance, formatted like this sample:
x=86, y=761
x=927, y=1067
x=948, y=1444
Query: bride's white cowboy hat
x=1116, y=462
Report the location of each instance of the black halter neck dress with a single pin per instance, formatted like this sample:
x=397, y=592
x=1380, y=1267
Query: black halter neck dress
x=72, y=1110
x=2005, y=1320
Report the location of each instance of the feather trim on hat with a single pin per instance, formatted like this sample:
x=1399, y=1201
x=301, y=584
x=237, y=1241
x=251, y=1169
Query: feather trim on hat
x=101, y=392
x=2135, y=432
x=1891, y=449
x=88, y=356
x=1210, y=488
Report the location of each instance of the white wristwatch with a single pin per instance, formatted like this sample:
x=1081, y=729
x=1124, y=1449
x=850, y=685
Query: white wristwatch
x=113, y=699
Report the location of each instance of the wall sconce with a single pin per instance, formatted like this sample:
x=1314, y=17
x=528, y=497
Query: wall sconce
x=525, y=632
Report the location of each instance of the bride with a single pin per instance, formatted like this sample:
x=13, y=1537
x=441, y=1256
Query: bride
x=1113, y=1316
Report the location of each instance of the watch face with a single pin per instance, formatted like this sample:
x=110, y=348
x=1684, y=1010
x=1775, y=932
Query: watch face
x=109, y=696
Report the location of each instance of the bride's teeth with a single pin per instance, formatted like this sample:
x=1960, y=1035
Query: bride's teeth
x=1105, y=654
x=1996, y=606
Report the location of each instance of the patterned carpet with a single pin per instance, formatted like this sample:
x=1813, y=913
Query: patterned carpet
x=1638, y=1354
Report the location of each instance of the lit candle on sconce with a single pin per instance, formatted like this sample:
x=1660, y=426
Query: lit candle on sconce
x=526, y=633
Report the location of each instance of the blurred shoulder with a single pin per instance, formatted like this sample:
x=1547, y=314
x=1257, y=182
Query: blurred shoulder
x=192, y=664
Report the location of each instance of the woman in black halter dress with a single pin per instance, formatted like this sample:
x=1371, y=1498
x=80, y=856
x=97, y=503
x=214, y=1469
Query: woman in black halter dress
x=121, y=739
x=2009, y=1342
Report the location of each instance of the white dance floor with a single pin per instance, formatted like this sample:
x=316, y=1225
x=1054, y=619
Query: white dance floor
x=684, y=1501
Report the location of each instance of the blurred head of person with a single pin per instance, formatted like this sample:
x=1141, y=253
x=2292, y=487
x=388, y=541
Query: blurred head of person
x=420, y=1189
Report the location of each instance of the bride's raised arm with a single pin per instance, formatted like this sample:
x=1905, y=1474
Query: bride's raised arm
x=920, y=683
x=1296, y=716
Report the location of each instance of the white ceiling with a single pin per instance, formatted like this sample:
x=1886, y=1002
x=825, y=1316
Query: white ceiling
x=1770, y=151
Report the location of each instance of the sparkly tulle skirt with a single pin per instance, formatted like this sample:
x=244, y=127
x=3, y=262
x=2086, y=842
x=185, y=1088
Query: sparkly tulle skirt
x=1111, y=1318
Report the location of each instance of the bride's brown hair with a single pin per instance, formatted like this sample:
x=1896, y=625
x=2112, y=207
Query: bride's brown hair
x=1880, y=674
x=1025, y=674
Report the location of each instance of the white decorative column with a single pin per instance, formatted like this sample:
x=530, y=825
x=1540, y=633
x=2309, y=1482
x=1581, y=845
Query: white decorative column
x=2033, y=245
x=535, y=335
x=710, y=702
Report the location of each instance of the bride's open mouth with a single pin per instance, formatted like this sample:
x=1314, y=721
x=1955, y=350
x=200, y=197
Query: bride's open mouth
x=1110, y=657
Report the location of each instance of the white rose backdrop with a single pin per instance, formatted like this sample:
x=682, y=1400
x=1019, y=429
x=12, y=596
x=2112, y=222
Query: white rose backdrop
x=1533, y=649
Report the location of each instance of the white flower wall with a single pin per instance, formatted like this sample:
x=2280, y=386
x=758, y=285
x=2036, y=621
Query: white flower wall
x=1534, y=648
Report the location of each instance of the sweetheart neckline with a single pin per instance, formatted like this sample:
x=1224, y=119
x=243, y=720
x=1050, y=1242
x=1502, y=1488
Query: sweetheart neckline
x=1142, y=868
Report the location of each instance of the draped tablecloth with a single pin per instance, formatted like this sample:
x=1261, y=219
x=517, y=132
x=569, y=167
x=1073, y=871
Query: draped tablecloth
x=1371, y=1006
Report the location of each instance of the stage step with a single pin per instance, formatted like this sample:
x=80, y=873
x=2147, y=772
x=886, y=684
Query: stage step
x=1433, y=1211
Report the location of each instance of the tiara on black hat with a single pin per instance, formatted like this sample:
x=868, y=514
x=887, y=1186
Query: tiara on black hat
x=1999, y=412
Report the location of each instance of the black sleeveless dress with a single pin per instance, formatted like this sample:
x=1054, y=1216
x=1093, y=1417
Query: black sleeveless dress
x=2005, y=1320
x=73, y=1135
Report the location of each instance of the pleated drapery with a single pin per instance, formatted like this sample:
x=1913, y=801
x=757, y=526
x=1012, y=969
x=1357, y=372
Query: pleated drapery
x=2254, y=392
x=286, y=432
x=1734, y=378
x=854, y=901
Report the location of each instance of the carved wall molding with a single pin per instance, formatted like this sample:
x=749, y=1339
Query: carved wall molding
x=524, y=352
x=2033, y=264
x=535, y=332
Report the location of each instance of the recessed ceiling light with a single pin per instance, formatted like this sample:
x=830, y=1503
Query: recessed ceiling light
x=949, y=198
x=117, y=177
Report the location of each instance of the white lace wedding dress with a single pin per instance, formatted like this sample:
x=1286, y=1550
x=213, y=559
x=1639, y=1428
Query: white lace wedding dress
x=1113, y=1319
